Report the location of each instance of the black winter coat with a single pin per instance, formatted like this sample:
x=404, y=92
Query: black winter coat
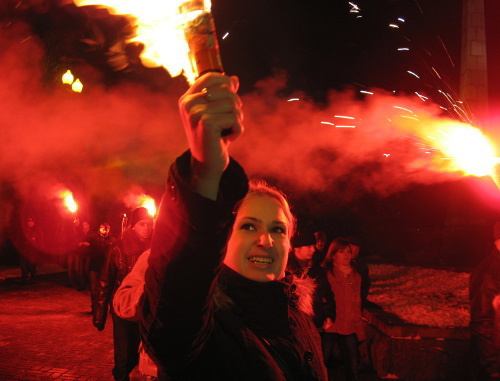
x=484, y=286
x=119, y=262
x=203, y=321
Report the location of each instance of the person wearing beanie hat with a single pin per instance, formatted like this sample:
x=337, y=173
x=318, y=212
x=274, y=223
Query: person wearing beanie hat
x=305, y=269
x=120, y=259
x=139, y=214
x=484, y=287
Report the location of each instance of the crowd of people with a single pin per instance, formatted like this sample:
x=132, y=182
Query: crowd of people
x=229, y=286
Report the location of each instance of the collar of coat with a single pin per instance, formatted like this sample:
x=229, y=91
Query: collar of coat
x=234, y=288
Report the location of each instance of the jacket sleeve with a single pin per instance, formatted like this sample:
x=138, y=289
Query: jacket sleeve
x=128, y=295
x=104, y=289
x=329, y=304
x=186, y=251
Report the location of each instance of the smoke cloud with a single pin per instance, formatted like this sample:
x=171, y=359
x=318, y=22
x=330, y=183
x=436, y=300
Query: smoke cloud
x=103, y=141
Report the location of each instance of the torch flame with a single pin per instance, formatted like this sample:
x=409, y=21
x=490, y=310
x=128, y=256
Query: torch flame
x=68, y=200
x=470, y=149
x=160, y=27
x=460, y=147
x=148, y=203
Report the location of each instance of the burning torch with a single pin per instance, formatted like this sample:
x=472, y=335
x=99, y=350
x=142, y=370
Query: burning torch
x=176, y=34
x=201, y=37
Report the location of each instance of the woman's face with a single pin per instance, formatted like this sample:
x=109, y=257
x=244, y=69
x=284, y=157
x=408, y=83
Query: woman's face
x=259, y=243
x=343, y=257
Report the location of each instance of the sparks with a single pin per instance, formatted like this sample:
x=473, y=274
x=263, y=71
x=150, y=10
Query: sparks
x=412, y=73
x=344, y=117
x=329, y=123
x=293, y=99
x=422, y=97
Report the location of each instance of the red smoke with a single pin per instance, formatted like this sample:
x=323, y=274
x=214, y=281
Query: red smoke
x=106, y=139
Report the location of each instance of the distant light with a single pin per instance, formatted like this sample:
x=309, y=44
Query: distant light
x=225, y=35
x=293, y=100
x=401, y=19
x=339, y=126
x=77, y=86
x=393, y=26
x=366, y=92
x=329, y=123
x=386, y=154
x=401, y=49
x=412, y=73
x=68, y=78
x=344, y=117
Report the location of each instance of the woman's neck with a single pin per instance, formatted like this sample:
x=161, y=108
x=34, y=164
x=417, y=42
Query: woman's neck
x=344, y=269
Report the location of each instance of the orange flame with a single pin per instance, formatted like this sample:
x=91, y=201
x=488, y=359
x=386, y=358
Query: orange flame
x=161, y=27
x=148, y=203
x=68, y=200
x=458, y=147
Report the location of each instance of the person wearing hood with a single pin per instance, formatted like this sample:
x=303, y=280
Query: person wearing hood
x=120, y=260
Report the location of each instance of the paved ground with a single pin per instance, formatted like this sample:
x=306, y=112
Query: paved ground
x=46, y=333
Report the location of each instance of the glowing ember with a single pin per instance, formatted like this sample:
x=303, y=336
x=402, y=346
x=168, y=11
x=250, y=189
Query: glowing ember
x=148, y=203
x=177, y=34
x=68, y=200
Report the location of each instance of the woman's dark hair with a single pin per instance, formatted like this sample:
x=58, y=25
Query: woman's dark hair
x=336, y=245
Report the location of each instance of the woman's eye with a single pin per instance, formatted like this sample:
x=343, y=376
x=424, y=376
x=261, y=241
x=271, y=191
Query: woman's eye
x=250, y=227
x=278, y=229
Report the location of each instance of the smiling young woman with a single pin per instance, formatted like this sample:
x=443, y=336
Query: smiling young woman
x=217, y=303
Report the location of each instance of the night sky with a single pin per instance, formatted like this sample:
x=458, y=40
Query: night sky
x=371, y=181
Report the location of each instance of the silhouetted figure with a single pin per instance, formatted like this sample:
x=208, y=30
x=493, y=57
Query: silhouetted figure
x=31, y=244
x=77, y=255
x=119, y=262
x=99, y=246
x=484, y=287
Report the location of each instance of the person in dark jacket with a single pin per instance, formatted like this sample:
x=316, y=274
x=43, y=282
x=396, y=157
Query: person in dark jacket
x=302, y=265
x=483, y=288
x=119, y=262
x=99, y=246
x=31, y=245
x=218, y=308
